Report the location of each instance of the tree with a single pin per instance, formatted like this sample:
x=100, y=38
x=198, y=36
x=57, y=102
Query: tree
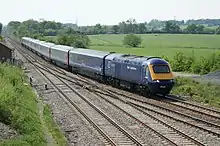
x=171, y=27
x=115, y=29
x=142, y=28
x=75, y=40
x=191, y=28
x=217, y=31
x=132, y=40
x=1, y=27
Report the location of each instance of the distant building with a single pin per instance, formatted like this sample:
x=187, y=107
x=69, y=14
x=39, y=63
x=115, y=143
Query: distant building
x=6, y=53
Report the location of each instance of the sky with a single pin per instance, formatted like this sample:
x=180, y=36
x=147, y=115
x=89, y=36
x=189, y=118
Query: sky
x=90, y=12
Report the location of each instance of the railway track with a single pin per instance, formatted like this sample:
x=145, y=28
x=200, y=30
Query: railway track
x=170, y=135
x=112, y=132
x=104, y=124
x=143, y=107
x=174, y=136
x=197, y=107
x=205, y=113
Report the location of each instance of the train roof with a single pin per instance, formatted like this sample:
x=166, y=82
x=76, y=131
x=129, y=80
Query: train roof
x=134, y=59
x=62, y=47
x=26, y=38
x=113, y=56
x=34, y=40
x=158, y=61
x=88, y=52
x=46, y=44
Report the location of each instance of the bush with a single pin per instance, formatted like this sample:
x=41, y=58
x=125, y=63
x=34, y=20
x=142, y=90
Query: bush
x=76, y=40
x=1, y=38
x=205, y=93
x=132, y=40
x=204, y=65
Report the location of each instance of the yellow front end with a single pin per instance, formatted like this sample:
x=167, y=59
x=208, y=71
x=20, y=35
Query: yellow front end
x=161, y=75
x=162, y=79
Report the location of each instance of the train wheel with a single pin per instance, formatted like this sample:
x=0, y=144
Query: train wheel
x=132, y=87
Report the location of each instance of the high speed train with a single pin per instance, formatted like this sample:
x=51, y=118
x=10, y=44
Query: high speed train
x=145, y=74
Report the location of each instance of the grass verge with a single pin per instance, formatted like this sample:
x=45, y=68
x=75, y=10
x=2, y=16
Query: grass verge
x=201, y=92
x=52, y=127
x=19, y=109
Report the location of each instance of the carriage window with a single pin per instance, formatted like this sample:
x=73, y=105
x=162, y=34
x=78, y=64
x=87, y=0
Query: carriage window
x=161, y=69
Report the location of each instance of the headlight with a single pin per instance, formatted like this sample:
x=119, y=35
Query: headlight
x=156, y=81
x=172, y=80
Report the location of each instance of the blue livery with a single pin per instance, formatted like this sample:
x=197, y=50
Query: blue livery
x=147, y=75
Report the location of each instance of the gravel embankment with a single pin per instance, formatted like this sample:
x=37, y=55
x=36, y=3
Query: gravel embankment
x=131, y=125
x=6, y=132
x=213, y=77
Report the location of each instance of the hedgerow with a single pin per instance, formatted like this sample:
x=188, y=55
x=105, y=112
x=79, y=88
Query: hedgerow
x=203, y=65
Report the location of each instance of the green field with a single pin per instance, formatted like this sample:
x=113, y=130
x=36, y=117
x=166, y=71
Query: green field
x=161, y=44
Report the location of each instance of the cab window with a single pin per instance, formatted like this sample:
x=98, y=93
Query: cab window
x=161, y=69
x=147, y=71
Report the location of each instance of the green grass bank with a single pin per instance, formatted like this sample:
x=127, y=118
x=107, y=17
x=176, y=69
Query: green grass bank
x=19, y=109
x=205, y=93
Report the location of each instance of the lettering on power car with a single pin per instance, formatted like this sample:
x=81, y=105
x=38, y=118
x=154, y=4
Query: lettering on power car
x=131, y=68
x=162, y=86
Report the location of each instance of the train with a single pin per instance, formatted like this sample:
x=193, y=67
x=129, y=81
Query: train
x=147, y=75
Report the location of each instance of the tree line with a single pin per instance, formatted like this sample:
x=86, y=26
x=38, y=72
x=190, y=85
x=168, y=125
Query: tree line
x=52, y=28
x=154, y=26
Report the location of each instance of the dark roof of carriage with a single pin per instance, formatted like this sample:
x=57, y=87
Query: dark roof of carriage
x=89, y=52
x=134, y=59
x=157, y=61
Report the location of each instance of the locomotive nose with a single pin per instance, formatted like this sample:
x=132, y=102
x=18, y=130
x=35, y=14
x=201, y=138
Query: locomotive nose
x=161, y=86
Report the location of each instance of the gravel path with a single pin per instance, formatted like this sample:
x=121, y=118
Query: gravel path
x=213, y=78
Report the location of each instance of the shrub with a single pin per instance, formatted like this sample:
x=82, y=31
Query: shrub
x=206, y=93
x=76, y=40
x=204, y=65
x=132, y=40
x=1, y=38
x=179, y=62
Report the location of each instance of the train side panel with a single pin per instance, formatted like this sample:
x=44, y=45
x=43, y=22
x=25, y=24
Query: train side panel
x=88, y=62
x=129, y=72
x=110, y=65
x=44, y=49
x=59, y=56
x=123, y=70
